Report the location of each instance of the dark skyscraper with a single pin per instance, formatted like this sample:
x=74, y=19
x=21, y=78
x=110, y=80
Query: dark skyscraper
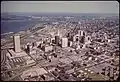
x=57, y=40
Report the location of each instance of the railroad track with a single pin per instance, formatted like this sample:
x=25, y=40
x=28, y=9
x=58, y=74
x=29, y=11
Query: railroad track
x=3, y=57
x=16, y=68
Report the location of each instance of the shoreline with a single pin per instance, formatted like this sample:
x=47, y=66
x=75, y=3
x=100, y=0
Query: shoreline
x=6, y=33
x=28, y=29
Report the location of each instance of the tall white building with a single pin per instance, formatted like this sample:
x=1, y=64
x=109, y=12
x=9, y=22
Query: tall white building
x=64, y=42
x=87, y=39
x=16, y=42
x=81, y=33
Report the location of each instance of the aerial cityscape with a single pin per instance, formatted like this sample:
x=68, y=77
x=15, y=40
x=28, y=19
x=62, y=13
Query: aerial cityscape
x=49, y=46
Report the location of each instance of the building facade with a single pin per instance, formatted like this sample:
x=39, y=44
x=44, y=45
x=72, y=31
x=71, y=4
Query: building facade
x=64, y=42
x=16, y=42
x=57, y=40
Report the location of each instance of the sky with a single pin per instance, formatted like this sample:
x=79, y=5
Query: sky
x=61, y=6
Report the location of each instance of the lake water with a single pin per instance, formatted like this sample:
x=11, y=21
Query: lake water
x=9, y=26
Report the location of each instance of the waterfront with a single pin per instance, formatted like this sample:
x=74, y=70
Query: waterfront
x=16, y=26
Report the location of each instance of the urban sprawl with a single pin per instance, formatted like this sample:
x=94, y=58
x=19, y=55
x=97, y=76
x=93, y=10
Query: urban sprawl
x=66, y=49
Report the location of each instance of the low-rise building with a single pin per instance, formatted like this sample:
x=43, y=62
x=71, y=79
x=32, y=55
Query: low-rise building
x=47, y=48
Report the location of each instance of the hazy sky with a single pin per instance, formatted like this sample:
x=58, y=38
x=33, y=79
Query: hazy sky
x=61, y=6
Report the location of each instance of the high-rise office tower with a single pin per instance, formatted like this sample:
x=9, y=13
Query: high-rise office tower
x=57, y=40
x=70, y=43
x=16, y=42
x=82, y=36
x=81, y=33
x=57, y=37
x=82, y=39
x=59, y=33
x=64, y=42
x=28, y=49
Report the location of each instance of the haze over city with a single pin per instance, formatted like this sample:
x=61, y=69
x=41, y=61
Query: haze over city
x=61, y=6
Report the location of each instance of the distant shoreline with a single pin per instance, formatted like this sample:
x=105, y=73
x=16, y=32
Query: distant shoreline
x=28, y=29
x=6, y=33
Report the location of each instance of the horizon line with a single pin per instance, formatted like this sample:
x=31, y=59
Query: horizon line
x=61, y=12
